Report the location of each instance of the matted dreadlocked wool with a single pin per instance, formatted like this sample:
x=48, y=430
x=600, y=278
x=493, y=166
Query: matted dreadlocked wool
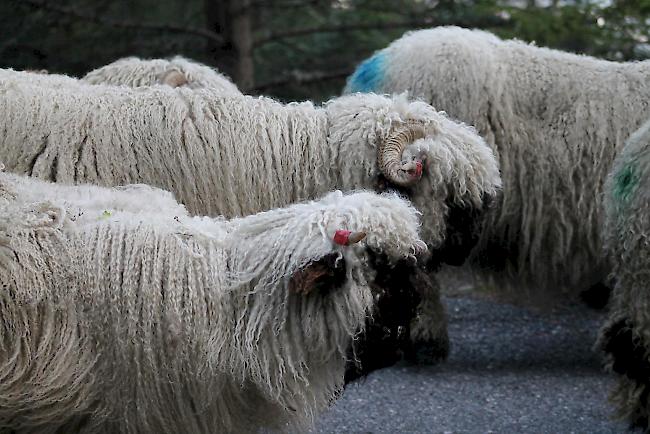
x=40, y=78
x=177, y=71
x=626, y=336
x=236, y=155
x=121, y=313
x=556, y=121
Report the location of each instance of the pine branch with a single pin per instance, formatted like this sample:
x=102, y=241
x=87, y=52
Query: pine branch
x=169, y=28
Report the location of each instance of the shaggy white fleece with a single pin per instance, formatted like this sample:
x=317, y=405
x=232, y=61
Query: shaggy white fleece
x=234, y=155
x=178, y=71
x=122, y=313
x=556, y=121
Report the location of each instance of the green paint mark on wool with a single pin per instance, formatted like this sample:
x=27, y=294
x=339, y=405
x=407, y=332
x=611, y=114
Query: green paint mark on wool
x=625, y=182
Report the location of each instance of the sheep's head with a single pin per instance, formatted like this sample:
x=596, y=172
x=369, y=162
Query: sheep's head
x=394, y=284
x=447, y=170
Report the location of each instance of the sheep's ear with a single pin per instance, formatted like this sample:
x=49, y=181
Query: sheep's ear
x=174, y=78
x=326, y=274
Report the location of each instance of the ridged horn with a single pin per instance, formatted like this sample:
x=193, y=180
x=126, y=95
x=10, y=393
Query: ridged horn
x=389, y=154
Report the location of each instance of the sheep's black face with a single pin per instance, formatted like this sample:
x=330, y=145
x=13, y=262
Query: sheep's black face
x=463, y=227
x=388, y=332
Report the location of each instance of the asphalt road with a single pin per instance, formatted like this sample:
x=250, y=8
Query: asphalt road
x=511, y=370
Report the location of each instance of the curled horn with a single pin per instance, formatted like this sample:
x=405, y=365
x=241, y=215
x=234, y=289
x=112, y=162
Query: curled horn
x=389, y=154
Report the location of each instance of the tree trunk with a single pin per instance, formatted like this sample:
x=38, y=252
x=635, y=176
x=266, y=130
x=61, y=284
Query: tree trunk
x=243, y=41
x=232, y=20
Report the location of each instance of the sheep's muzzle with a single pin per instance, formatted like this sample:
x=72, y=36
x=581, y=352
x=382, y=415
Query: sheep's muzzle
x=387, y=333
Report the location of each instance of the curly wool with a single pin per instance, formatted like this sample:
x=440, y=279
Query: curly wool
x=626, y=336
x=37, y=78
x=233, y=155
x=121, y=313
x=556, y=121
x=136, y=72
x=236, y=155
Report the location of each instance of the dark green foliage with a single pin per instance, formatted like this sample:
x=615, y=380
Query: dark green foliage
x=303, y=48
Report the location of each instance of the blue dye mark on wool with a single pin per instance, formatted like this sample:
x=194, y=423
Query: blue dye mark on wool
x=369, y=75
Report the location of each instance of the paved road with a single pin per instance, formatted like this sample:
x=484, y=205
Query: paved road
x=511, y=370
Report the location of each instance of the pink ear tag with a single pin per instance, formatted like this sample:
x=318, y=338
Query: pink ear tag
x=341, y=237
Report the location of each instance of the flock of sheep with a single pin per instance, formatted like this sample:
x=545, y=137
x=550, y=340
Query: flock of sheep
x=176, y=256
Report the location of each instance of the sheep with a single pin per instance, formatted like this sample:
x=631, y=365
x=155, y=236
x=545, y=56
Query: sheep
x=625, y=338
x=122, y=313
x=178, y=71
x=556, y=121
x=236, y=155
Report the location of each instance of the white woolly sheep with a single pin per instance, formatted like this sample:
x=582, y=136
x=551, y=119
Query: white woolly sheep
x=121, y=313
x=556, y=121
x=178, y=71
x=626, y=336
x=236, y=155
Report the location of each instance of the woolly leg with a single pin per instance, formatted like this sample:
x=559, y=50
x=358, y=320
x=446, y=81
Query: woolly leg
x=626, y=355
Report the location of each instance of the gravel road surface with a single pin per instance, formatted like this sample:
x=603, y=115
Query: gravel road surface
x=511, y=370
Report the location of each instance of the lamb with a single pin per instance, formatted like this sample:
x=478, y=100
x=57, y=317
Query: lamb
x=236, y=155
x=178, y=71
x=556, y=121
x=122, y=313
x=626, y=336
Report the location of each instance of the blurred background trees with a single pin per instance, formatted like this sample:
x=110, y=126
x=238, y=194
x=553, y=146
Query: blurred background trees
x=295, y=49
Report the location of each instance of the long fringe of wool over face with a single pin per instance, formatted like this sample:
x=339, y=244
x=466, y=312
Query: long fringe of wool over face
x=626, y=336
x=121, y=313
x=178, y=71
x=556, y=121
